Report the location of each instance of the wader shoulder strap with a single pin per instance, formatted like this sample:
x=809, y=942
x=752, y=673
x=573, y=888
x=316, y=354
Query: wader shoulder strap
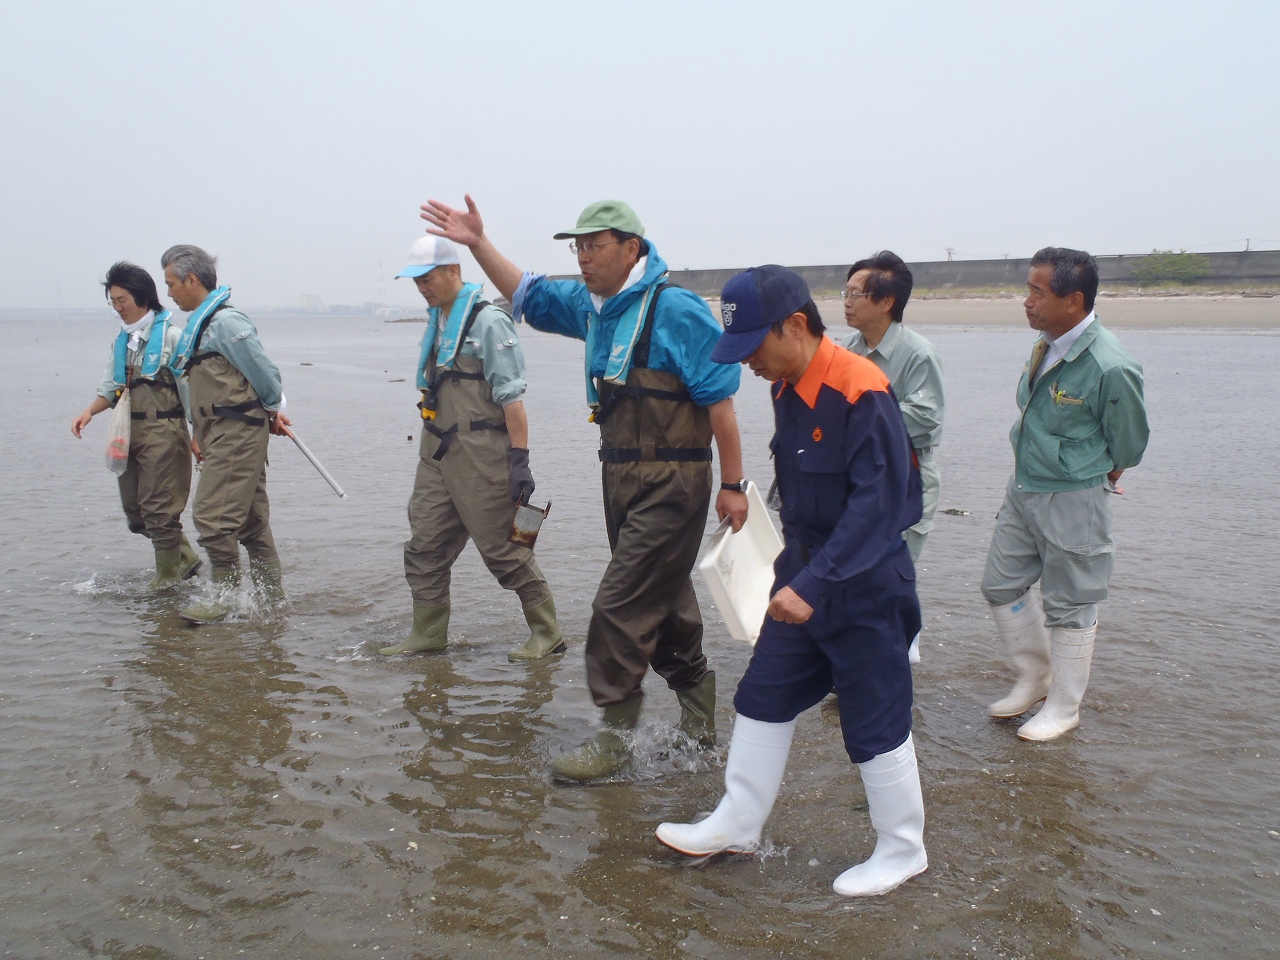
x=462, y=338
x=640, y=362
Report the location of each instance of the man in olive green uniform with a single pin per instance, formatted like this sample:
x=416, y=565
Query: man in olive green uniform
x=236, y=403
x=1083, y=423
x=157, y=478
x=473, y=466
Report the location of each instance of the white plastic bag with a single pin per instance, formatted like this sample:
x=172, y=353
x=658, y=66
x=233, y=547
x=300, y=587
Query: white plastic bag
x=117, y=454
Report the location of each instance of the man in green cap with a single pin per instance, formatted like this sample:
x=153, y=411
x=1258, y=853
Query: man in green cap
x=658, y=400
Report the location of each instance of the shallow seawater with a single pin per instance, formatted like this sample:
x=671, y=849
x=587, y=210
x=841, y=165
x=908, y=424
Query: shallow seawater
x=271, y=787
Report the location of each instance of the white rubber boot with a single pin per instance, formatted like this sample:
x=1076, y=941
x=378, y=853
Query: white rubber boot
x=892, y=782
x=752, y=774
x=913, y=651
x=1026, y=645
x=1072, y=657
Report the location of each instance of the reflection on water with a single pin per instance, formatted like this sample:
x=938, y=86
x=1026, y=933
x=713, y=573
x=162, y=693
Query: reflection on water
x=270, y=787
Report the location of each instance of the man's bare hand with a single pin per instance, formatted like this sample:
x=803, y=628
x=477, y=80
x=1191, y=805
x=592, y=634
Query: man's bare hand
x=464, y=228
x=787, y=607
x=280, y=425
x=732, y=504
x=195, y=450
x=1112, y=477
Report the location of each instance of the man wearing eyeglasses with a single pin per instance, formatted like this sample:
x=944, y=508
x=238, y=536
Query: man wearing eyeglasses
x=658, y=400
x=875, y=297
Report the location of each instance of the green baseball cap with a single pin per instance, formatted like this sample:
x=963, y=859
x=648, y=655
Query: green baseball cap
x=605, y=215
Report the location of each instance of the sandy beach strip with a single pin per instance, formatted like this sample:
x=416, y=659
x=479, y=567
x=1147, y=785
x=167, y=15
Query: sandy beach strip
x=1224, y=312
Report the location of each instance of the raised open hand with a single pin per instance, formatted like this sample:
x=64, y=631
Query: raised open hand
x=464, y=228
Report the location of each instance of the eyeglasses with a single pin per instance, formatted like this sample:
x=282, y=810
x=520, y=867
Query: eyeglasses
x=589, y=247
x=847, y=295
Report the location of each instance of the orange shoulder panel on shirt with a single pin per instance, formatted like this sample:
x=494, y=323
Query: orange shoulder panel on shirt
x=853, y=375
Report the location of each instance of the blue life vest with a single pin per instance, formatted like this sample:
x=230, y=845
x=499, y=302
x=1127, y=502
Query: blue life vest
x=451, y=339
x=150, y=355
x=625, y=337
x=195, y=326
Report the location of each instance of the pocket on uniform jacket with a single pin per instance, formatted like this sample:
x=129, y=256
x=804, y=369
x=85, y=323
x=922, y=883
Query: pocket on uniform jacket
x=826, y=481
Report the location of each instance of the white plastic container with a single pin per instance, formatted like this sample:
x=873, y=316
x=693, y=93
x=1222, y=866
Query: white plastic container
x=738, y=568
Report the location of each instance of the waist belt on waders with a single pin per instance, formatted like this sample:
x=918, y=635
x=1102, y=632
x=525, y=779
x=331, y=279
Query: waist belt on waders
x=447, y=436
x=239, y=411
x=655, y=455
x=175, y=414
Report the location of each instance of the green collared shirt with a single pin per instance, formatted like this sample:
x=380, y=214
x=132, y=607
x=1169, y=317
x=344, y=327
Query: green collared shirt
x=915, y=373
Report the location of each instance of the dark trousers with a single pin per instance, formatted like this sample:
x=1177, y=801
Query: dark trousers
x=855, y=643
x=645, y=613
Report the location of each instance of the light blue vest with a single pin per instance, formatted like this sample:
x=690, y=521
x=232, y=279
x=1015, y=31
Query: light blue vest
x=451, y=339
x=195, y=324
x=625, y=337
x=150, y=355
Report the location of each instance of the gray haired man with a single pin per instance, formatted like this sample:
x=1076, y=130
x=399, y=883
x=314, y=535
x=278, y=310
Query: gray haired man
x=236, y=402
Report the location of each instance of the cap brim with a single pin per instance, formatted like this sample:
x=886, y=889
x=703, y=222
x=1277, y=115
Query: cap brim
x=416, y=270
x=736, y=347
x=577, y=232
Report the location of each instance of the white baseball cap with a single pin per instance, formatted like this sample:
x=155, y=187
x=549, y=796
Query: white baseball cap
x=427, y=254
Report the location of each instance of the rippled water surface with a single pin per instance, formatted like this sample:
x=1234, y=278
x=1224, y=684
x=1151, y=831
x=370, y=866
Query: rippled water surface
x=270, y=787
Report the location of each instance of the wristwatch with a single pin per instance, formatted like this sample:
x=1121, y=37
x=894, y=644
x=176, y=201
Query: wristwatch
x=739, y=487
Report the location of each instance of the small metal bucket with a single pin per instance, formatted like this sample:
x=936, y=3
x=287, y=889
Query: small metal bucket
x=528, y=521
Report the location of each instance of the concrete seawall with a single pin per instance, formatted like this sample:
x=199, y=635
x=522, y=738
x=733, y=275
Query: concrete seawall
x=1225, y=269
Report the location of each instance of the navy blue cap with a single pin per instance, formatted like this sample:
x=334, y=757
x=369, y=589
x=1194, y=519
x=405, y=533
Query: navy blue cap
x=751, y=303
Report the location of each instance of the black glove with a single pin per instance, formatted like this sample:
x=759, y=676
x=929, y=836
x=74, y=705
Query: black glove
x=521, y=477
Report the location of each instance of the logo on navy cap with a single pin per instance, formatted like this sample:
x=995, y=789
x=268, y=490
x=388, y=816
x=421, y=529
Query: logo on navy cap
x=726, y=313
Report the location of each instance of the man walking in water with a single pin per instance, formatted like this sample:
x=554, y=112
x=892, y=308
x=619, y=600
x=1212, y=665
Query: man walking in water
x=658, y=400
x=473, y=460
x=1083, y=423
x=236, y=403
x=843, y=607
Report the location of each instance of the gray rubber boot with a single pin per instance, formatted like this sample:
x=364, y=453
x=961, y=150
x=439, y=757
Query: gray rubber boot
x=216, y=607
x=698, y=711
x=430, y=631
x=607, y=752
x=545, y=637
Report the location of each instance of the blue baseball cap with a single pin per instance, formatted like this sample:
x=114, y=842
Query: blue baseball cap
x=752, y=302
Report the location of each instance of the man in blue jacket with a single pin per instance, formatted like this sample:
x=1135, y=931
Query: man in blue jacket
x=658, y=400
x=1083, y=424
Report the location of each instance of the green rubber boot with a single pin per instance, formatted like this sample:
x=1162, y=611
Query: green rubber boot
x=173, y=565
x=218, y=606
x=607, y=752
x=698, y=712
x=545, y=636
x=430, y=631
x=266, y=576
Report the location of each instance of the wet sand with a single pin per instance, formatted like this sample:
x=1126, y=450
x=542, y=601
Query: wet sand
x=271, y=787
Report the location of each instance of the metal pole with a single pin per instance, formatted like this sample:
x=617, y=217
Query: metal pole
x=318, y=465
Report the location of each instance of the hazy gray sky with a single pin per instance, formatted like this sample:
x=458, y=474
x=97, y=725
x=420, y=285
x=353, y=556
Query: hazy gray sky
x=295, y=140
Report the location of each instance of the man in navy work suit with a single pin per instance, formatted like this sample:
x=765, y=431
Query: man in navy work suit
x=844, y=607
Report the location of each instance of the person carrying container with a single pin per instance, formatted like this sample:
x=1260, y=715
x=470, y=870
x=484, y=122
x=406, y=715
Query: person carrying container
x=473, y=459
x=1083, y=423
x=875, y=297
x=843, y=608
x=157, y=478
x=236, y=403
x=658, y=401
